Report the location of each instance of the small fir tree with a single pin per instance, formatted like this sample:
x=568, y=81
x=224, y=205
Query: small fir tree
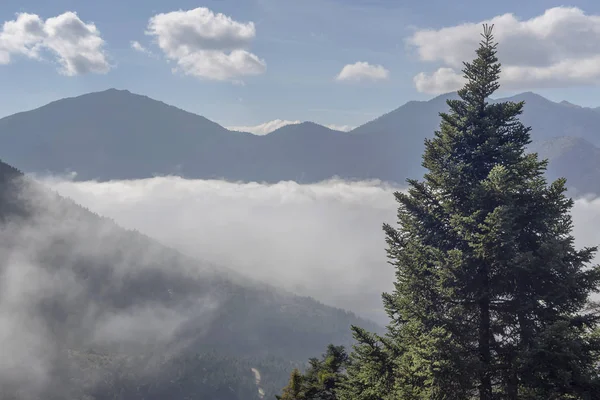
x=293, y=391
x=322, y=378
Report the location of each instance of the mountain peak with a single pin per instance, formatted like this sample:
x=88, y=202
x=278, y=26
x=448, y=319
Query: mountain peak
x=120, y=101
x=109, y=90
x=122, y=131
x=114, y=93
x=306, y=127
x=445, y=96
x=527, y=97
x=117, y=90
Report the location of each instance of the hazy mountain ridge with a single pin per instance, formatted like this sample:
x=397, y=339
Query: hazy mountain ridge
x=574, y=158
x=560, y=131
x=115, y=303
x=119, y=135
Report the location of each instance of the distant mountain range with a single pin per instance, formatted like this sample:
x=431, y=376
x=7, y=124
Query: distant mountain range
x=119, y=135
x=94, y=311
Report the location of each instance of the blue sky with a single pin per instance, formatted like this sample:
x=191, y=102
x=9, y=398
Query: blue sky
x=304, y=44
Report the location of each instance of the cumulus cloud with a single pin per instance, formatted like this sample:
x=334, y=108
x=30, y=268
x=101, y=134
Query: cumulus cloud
x=558, y=48
x=361, y=70
x=76, y=46
x=264, y=128
x=207, y=45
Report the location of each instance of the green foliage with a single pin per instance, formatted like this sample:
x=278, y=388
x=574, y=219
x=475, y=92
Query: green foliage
x=488, y=280
x=490, y=293
x=322, y=378
x=370, y=374
x=294, y=389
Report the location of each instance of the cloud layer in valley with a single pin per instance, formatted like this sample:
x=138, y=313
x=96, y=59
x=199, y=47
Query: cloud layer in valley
x=205, y=44
x=75, y=45
x=323, y=240
x=558, y=48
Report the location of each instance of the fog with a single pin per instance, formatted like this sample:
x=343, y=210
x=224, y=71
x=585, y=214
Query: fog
x=44, y=311
x=324, y=240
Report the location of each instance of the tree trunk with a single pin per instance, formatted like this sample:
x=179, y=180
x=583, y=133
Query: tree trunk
x=512, y=389
x=485, y=356
x=524, y=334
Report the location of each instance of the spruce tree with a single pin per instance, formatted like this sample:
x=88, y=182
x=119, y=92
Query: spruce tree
x=321, y=379
x=490, y=291
x=491, y=298
x=293, y=391
x=370, y=371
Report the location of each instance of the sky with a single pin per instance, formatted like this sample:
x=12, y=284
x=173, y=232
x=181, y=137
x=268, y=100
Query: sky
x=262, y=63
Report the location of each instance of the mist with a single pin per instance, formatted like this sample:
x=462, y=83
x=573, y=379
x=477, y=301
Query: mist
x=57, y=302
x=78, y=292
x=111, y=293
x=323, y=240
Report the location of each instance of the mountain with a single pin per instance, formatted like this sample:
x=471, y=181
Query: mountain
x=107, y=134
x=551, y=120
x=572, y=157
x=91, y=310
x=119, y=135
x=560, y=132
x=548, y=119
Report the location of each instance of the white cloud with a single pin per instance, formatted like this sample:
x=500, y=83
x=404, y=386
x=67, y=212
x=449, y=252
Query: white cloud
x=343, y=128
x=265, y=128
x=137, y=46
x=559, y=48
x=205, y=44
x=268, y=127
x=140, y=48
x=443, y=80
x=323, y=240
x=362, y=71
x=76, y=46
